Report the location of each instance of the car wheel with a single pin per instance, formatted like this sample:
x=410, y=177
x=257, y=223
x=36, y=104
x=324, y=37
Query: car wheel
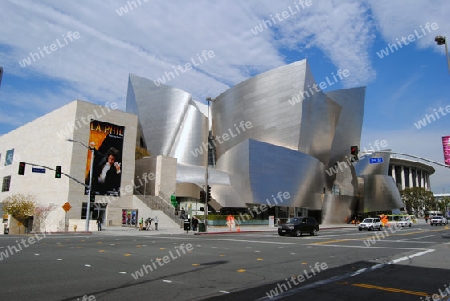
x=410, y=225
x=313, y=232
x=360, y=229
x=298, y=233
x=281, y=234
x=379, y=228
x=371, y=228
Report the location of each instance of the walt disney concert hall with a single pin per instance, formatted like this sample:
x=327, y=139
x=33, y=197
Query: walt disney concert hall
x=271, y=139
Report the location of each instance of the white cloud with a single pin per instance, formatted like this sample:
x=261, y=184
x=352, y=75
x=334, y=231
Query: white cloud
x=397, y=19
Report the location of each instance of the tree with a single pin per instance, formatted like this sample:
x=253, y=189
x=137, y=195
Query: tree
x=40, y=215
x=417, y=198
x=20, y=206
x=141, y=152
x=443, y=205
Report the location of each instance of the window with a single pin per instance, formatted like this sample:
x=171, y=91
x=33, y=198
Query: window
x=9, y=157
x=6, y=183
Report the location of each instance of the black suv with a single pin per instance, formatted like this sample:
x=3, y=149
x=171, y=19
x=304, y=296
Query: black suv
x=296, y=226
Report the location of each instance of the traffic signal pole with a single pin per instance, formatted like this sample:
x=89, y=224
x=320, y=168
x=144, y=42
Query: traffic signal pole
x=49, y=168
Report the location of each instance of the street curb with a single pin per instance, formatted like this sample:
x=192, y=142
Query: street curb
x=65, y=233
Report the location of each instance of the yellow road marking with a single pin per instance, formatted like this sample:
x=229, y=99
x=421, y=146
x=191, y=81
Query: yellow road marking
x=240, y=271
x=127, y=254
x=390, y=289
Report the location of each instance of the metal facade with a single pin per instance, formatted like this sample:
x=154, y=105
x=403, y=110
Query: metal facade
x=298, y=142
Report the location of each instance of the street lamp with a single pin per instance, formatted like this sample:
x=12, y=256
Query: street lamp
x=208, y=99
x=91, y=147
x=441, y=40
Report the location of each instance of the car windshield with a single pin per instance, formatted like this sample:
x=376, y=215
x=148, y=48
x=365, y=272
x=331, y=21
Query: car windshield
x=368, y=220
x=294, y=220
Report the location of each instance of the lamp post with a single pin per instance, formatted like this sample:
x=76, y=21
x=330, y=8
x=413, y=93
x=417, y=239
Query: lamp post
x=91, y=147
x=208, y=99
x=441, y=40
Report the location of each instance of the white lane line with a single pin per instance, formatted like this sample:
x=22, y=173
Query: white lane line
x=261, y=241
x=341, y=277
x=424, y=236
x=364, y=247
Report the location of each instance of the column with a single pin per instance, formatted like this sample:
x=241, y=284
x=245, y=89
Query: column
x=422, y=179
x=417, y=178
x=393, y=172
x=403, y=179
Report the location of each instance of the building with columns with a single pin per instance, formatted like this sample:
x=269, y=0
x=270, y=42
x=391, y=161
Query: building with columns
x=408, y=173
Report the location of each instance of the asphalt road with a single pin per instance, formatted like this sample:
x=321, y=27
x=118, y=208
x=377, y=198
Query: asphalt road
x=339, y=264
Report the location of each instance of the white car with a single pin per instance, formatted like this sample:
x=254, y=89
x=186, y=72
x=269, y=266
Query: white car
x=371, y=223
x=404, y=222
x=438, y=220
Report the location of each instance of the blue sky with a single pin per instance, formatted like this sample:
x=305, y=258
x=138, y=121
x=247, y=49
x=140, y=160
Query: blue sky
x=108, y=43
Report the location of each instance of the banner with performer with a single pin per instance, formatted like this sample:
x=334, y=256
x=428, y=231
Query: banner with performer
x=107, y=140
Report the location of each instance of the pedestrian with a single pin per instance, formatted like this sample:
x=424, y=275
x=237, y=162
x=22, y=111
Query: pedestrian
x=141, y=223
x=182, y=215
x=156, y=222
x=149, y=224
x=99, y=223
x=194, y=223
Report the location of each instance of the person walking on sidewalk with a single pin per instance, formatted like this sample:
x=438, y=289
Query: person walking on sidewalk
x=99, y=223
x=156, y=222
x=194, y=223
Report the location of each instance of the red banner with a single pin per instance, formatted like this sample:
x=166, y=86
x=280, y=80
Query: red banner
x=446, y=146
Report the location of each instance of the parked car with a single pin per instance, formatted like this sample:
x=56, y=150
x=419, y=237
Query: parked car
x=438, y=220
x=371, y=223
x=296, y=226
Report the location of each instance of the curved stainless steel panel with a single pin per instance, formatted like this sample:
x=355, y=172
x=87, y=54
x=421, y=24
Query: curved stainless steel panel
x=349, y=126
x=380, y=193
x=259, y=171
x=264, y=101
x=189, y=145
x=365, y=168
x=171, y=122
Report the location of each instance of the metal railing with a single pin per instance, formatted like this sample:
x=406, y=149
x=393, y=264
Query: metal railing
x=159, y=203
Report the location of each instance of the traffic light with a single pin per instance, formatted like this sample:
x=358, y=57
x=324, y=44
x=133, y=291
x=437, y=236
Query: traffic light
x=209, y=193
x=91, y=197
x=354, y=152
x=58, y=172
x=202, y=195
x=22, y=168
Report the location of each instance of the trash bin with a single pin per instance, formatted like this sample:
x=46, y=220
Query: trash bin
x=201, y=227
x=187, y=224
